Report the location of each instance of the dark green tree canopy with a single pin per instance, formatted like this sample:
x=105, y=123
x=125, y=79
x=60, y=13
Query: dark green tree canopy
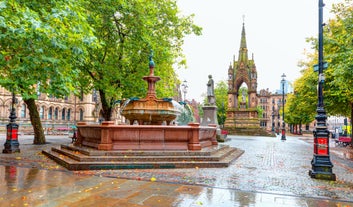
x=128, y=30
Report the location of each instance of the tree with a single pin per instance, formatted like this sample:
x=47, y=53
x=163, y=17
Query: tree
x=41, y=45
x=338, y=98
x=300, y=107
x=339, y=48
x=339, y=54
x=221, y=95
x=128, y=31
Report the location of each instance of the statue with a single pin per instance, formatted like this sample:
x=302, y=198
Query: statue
x=243, y=97
x=210, y=108
x=210, y=90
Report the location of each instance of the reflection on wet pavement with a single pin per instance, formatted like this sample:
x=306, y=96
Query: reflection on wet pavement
x=269, y=173
x=33, y=187
x=344, y=155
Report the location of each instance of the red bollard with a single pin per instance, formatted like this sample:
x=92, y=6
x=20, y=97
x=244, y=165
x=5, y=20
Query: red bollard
x=11, y=145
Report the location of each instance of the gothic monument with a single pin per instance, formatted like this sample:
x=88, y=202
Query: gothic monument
x=242, y=115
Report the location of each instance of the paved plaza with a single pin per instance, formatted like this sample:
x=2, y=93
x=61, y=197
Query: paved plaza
x=271, y=172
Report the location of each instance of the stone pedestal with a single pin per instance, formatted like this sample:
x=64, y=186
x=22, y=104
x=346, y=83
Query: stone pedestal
x=209, y=115
x=244, y=122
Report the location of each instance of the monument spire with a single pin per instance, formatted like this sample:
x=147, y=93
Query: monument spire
x=243, y=51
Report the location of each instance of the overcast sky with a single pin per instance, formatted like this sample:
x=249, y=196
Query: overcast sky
x=276, y=32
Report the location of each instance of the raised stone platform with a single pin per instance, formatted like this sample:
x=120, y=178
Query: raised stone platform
x=84, y=158
x=109, y=136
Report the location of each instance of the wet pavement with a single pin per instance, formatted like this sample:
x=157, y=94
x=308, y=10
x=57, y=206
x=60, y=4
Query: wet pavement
x=270, y=173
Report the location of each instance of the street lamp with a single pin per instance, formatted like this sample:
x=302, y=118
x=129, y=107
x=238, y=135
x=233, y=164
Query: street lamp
x=273, y=121
x=321, y=163
x=283, y=124
x=185, y=88
x=12, y=145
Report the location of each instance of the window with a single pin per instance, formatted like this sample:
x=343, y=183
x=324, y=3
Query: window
x=263, y=124
x=63, y=113
x=81, y=115
x=41, y=112
x=263, y=100
x=50, y=113
x=23, y=111
x=94, y=96
x=56, y=113
x=68, y=114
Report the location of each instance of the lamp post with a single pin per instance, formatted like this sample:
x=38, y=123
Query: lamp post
x=185, y=88
x=273, y=121
x=12, y=145
x=321, y=163
x=283, y=137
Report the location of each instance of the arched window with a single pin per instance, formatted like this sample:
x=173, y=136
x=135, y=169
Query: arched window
x=68, y=114
x=56, y=113
x=41, y=112
x=23, y=111
x=50, y=113
x=63, y=113
x=81, y=115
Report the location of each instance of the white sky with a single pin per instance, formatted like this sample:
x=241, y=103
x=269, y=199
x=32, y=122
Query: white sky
x=276, y=32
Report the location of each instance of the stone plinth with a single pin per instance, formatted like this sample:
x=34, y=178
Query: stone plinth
x=145, y=137
x=209, y=115
x=244, y=122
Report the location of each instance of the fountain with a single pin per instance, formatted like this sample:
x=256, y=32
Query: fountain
x=154, y=143
x=150, y=110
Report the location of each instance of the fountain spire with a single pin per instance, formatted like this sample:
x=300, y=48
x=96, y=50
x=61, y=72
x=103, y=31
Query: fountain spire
x=151, y=63
x=151, y=79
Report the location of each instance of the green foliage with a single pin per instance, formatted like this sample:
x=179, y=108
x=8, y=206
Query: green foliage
x=260, y=111
x=42, y=43
x=300, y=107
x=128, y=30
x=221, y=95
x=338, y=52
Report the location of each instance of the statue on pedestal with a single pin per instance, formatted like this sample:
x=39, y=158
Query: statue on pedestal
x=210, y=91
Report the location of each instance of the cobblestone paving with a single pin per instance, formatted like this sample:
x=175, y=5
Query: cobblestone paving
x=268, y=165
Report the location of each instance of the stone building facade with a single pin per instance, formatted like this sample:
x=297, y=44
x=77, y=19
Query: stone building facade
x=55, y=113
x=271, y=104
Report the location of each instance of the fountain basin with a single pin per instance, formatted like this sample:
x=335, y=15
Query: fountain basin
x=109, y=136
x=150, y=111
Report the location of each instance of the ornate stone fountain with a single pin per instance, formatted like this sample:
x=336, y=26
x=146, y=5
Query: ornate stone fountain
x=150, y=110
x=146, y=145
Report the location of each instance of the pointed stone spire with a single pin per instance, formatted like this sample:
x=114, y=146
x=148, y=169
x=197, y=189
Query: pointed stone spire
x=243, y=51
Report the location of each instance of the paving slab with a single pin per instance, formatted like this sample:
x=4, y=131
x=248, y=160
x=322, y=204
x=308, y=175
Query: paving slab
x=269, y=173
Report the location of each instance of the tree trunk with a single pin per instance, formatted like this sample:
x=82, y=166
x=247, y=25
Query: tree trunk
x=107, y=108
x=295, y=129
x=300, y=128
x=39, y=137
